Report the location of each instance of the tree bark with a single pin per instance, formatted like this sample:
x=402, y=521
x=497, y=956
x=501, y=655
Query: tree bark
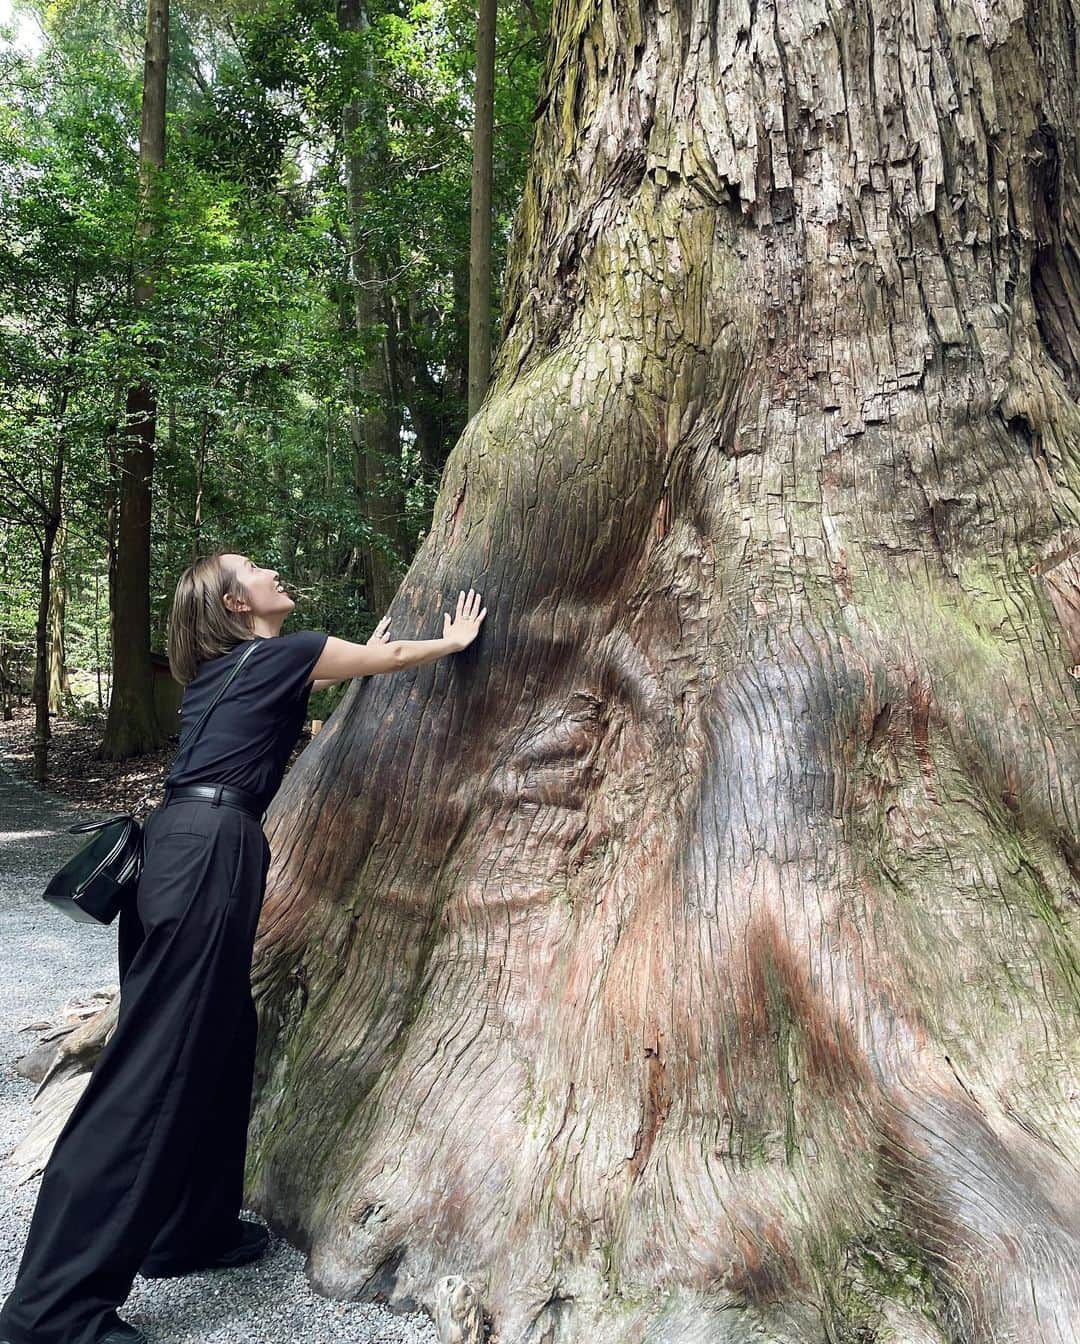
x=480, y=212
x=160, y=629
x=695, y=956
x=60, y=697
x=50, y=525
x=49, y=521
x=113, y=457
x=132, y=726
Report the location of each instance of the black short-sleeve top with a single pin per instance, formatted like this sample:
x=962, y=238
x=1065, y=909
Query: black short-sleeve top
x=249, y=735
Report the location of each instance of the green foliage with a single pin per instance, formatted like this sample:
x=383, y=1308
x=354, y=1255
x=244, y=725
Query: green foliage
x=247, y=341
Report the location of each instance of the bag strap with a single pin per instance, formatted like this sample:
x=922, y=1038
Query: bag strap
x=224, y=687
x=97, y=825
x=124, y=816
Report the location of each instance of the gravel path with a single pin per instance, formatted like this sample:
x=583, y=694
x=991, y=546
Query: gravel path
x=47, y=959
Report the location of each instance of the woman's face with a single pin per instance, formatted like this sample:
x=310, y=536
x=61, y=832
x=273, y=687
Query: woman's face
x=265, y=595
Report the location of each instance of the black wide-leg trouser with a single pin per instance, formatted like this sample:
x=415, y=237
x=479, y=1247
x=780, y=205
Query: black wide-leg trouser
x=149, y=1167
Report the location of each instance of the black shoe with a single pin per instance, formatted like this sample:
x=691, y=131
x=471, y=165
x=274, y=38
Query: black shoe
x=123, y=1333
x=252, y=1241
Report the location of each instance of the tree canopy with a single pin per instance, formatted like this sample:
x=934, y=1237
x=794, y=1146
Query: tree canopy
x=246, y=340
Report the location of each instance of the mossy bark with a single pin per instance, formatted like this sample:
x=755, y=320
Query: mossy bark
x=696, y=954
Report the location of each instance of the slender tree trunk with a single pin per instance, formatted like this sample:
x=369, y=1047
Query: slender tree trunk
x=40, y=691
x=7, y=686
x=172, y=448
x=132, y=726
x=50, y=524
x=375, y=415
x=201, y=449
x=457, y=371
x=480, y=216
x=97, y=639
x=161, y=623
x=112, y=502
x=59, y=681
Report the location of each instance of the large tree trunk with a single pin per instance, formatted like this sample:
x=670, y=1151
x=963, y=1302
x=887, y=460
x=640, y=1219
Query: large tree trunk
x=697, y=952
x=694, y=958
x=132, y=726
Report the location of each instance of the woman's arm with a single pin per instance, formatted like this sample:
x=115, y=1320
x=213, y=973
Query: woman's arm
x=341, y=659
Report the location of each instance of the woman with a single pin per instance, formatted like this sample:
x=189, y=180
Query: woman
x=147, y=1174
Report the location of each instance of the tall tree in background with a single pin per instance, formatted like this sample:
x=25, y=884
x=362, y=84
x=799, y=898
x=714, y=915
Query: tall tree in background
x=60, y=697
x=65, y=213
x=480, y=218
x=132, y=725
x=51, y=518
x=695, y=957
x=266, y=420
x=375, y=413
x=48, y=531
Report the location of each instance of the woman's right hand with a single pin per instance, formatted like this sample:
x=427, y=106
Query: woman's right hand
x=465, y=626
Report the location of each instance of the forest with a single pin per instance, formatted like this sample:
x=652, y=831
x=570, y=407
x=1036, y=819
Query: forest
x=693, y=958
x=270, y=346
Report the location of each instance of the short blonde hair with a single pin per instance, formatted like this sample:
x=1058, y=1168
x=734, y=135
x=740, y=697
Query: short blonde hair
x=200, y=625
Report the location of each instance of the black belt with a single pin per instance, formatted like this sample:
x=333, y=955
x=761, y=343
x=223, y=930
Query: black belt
x=216, y=793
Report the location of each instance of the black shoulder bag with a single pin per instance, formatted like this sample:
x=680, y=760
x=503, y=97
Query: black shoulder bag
x=97, y=879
